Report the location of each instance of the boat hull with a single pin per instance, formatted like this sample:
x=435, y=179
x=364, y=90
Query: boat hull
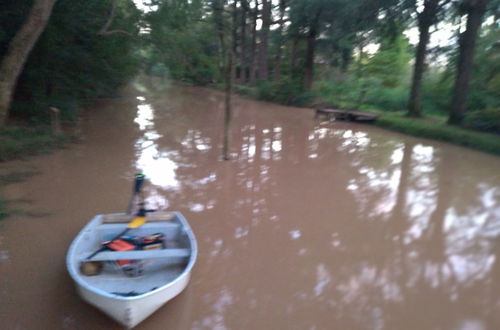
x=130, y=312
x=135, y=298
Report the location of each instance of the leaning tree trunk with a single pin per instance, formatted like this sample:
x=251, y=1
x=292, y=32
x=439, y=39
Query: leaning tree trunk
x=467, y=44
x=425, y=20
x=18, y=51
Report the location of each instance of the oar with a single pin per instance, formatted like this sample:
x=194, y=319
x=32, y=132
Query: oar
x=137, y=221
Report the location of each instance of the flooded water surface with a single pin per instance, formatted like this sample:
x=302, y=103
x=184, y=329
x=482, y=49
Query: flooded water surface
x=311, y=225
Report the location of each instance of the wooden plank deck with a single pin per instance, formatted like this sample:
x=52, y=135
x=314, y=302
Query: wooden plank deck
x=348, y=115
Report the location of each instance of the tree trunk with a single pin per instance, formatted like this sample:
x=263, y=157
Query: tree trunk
x=253, y=54
x=475, y=12
x=425, y=20
x=346, y=59
x=264, y=39
x=359, y=67
x=18, y=51
x=218, y=7
x=234, y=30
x=243, y=42
x=294, y=55
x=277, y=65
x=311, y=47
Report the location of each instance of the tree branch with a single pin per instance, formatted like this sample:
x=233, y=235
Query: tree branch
x=104, y=30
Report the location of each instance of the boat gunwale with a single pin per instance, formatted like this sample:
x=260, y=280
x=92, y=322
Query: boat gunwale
x=78, y=278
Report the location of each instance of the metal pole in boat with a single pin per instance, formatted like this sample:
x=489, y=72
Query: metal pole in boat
x=139, y=181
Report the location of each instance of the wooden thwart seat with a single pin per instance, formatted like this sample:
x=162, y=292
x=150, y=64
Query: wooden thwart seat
x=124, y=218
x=142, y=254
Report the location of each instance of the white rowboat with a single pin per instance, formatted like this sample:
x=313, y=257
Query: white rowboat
x=164, y=272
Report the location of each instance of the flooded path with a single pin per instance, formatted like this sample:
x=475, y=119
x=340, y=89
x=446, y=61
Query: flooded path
x=311, y=226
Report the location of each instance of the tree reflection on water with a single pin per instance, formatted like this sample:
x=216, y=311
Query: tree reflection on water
x=344, y=223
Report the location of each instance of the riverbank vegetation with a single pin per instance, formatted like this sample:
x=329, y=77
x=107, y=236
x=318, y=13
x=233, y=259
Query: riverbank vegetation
x=21, y=140
x=87, y=50
x=436, y=128
x=364, y=55
x=344, y=54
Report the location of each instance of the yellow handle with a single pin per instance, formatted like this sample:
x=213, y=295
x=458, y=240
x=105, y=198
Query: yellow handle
x=137, y=222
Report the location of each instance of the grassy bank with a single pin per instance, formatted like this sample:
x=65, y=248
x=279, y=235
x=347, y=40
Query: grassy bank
x=433, y=126
x=3, y=209
x=20, y=141
x=437, y=129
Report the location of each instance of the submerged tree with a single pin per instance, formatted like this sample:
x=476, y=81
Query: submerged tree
x=227, y=50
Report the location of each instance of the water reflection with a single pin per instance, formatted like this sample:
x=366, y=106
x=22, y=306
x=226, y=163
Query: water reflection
x=323, y=278
x=343, y=223
x=158, y=166
x=295, y=234
x=222, y=300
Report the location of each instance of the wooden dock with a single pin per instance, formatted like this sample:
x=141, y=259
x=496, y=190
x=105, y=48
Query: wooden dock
x=347, y=115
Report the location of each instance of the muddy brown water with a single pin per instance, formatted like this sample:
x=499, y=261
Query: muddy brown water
x=311, y=226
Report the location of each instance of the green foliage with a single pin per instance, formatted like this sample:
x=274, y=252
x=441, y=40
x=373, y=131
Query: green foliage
x=436, y=91
x=3, y=209
x=182, y=42
x=71, y=61
x=485, y=82
x=15, y=177
x=19, y=141
x=369, y=93
x=285, y=91
x=440, y=131
x=342, y=93
x=485, y=120
x=391, y=63
x=245, y=90
x=10, y=178
x=388, y=99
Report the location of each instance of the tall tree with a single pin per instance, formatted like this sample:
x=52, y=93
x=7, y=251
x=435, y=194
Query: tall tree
x=475, y=10
x=243, y=65
x=279, y=41
x=311, y=48
x=426, y=18
x=18, y=50
x=264, y=40
x=184, y=41
x=308, y=20
x=253, y=49
x=390, y=64
x=311, y=18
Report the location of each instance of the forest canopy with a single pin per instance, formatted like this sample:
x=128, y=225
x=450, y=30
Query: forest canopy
x=350, y=54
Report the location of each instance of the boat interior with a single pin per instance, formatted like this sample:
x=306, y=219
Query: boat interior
x=139, y=271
